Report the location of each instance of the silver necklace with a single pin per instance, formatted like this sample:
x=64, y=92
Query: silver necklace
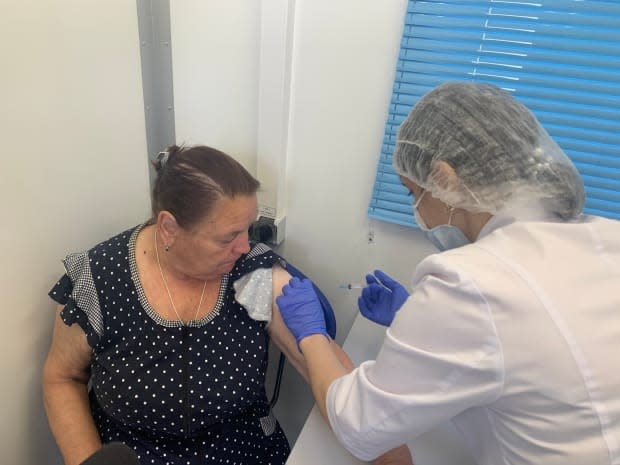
x=168, y=289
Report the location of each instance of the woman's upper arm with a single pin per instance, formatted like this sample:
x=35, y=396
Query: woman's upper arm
x=278, y=331
x=69, y=355
x=285, y=340
x=65, y=395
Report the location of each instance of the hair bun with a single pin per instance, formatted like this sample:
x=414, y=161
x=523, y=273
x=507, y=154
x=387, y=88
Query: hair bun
x=161, y=160
x=163, y=157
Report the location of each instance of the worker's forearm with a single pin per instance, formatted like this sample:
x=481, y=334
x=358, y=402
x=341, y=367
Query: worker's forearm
x=70, y=419
x=397, y=456
x=344, y=358
x=323, y=367
x=326, y=362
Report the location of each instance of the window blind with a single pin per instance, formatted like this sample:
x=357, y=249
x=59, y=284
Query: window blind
x=561, y=58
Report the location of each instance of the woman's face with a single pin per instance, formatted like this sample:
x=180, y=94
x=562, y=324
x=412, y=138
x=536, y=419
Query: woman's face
x=211, y=248
x=433, y=211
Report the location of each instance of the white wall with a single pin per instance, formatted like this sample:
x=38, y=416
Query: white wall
x=215, y=74
x=344, y=54
x=74, y=171
x=343, y=68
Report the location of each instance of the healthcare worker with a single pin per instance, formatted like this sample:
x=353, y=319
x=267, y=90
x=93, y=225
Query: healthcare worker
x=512, y=331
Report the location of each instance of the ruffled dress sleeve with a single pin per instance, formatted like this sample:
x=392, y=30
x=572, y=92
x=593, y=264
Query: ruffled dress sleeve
x=254, y=291
x=253, y=281
x=77, y=292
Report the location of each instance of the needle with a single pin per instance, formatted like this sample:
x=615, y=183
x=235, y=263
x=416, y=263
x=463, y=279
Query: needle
x=351, y=286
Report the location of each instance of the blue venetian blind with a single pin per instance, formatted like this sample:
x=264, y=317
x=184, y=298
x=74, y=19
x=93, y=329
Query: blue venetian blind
x=561, y=58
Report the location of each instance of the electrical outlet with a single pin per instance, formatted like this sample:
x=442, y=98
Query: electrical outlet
x=371, y=236
x=280, y=224
x=267, y=230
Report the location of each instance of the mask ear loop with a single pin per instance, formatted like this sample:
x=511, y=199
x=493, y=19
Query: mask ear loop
x=419, y=199
x=416, y=212
x=450, y=214
x=473, y=196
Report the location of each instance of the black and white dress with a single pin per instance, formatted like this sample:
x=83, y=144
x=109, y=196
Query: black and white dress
x=178, y=394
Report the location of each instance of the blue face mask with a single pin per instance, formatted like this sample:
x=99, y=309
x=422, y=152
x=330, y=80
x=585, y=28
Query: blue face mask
x=444, y=236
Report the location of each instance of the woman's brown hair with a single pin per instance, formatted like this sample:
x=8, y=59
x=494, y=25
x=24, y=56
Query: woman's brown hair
x=190, y=180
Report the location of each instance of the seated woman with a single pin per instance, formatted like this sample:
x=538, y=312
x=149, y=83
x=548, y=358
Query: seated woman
x=174, y=318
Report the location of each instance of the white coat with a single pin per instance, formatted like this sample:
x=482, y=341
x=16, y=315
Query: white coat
x=515, y=338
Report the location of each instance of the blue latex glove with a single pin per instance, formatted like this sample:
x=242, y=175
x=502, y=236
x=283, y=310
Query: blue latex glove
x=301, y=309
x=382, y=298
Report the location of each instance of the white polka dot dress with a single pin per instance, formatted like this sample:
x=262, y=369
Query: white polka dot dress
x=177, y=394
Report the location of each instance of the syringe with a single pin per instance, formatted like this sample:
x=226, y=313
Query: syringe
x=352, y=286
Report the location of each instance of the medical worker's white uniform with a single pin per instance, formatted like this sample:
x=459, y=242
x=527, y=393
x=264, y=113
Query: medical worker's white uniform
x=516, y=338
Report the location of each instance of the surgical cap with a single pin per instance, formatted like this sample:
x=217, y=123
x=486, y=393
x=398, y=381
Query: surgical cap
x=503, y=158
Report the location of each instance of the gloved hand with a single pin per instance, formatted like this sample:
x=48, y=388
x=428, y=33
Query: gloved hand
x=301, y=309
x=382, y=298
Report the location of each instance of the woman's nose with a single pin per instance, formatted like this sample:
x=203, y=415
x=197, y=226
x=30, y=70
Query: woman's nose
x=242, y=244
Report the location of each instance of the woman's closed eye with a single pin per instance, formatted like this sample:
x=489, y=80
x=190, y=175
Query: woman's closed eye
x=226, y=241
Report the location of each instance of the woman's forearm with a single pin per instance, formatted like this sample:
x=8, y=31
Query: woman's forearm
x=70, y=419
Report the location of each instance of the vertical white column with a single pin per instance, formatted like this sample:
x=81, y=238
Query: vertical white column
x=275, y=62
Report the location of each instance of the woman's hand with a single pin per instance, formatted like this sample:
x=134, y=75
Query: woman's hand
x=382, y=298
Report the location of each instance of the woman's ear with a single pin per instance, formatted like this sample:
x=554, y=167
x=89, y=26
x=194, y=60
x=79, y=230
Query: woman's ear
x=444, y=176
x=168, y=227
